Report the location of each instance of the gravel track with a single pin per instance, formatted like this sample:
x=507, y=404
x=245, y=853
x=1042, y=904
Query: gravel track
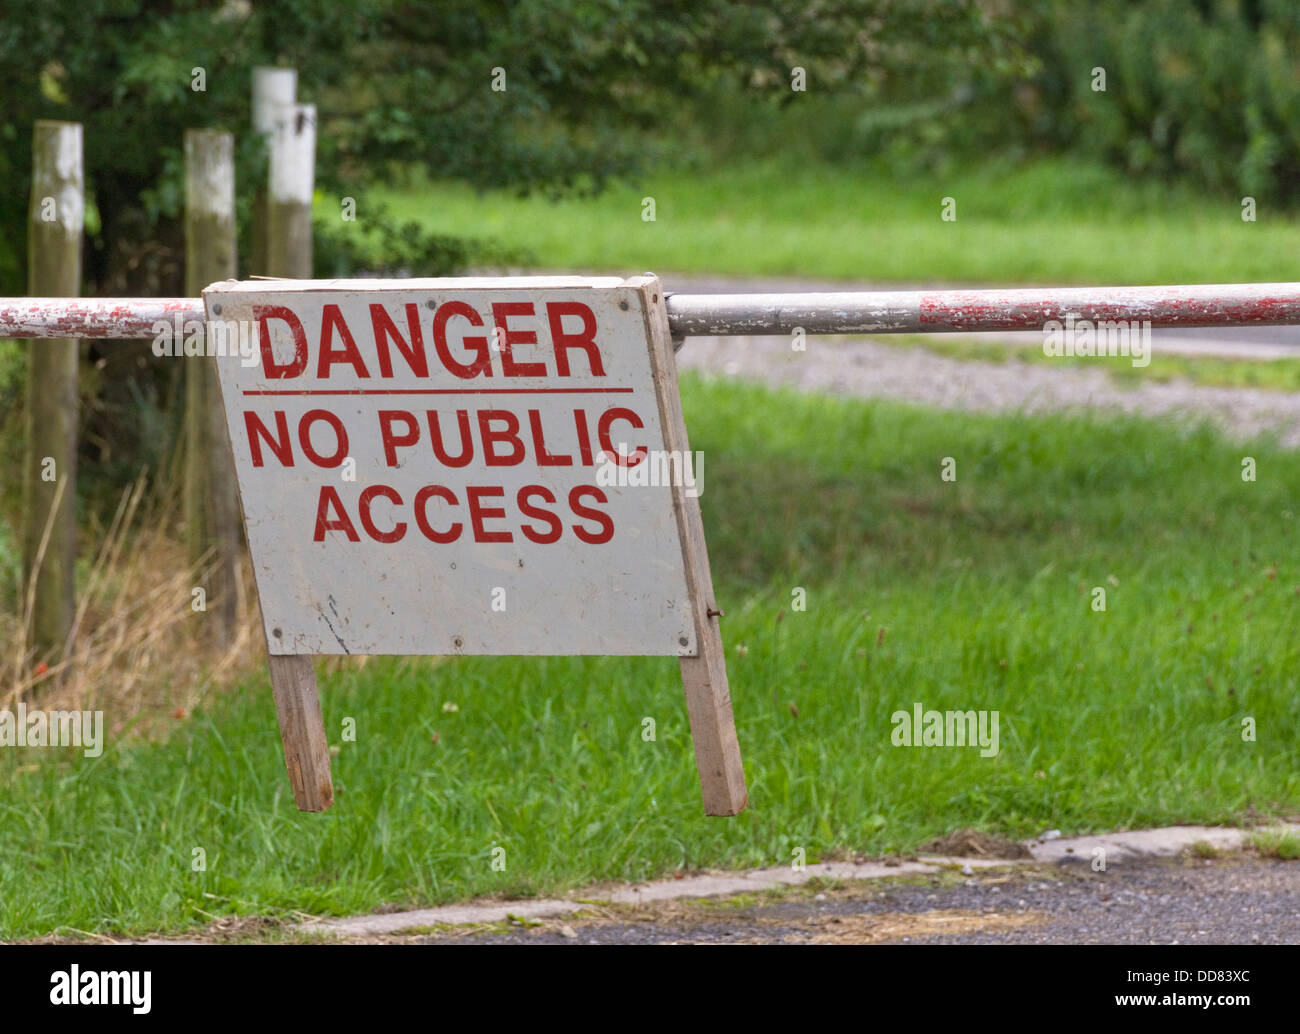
x=867, y=369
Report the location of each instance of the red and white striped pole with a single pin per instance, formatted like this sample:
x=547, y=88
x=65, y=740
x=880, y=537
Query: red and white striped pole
x=94, y=317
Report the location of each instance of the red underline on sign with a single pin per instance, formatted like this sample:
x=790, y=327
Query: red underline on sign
x=441, y=391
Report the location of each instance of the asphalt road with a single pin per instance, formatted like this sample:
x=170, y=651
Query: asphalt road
x=1245, y=900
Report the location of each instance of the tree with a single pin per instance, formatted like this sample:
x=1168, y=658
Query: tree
x=555, y=95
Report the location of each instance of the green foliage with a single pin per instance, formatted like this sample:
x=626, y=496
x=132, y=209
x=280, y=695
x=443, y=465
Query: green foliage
x=401, y=83
x=1280, y=845
x=379, y=245
x=1207, y=90
x=13, y=369
x=10, y=568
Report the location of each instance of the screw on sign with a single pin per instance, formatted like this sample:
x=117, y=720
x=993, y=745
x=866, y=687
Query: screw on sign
x=417, y=465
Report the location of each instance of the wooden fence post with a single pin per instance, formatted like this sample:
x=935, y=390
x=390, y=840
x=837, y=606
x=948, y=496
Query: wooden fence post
x=292, y=179
x=273, y=88
x=49, y=521
x=211, y=506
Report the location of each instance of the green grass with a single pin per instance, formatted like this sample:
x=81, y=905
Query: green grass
x=1051, y=221
x=1284, y=847
x=974, y=594
x=1210, y=370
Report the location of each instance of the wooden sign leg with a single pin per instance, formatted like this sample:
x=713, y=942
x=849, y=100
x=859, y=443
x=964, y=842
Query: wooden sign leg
x=302, y=730
x=704, y=676
x=713, y=728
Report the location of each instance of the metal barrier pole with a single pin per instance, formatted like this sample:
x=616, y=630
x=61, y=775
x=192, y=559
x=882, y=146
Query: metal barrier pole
x=95, y=317
x=923, y=312
x=850, y=312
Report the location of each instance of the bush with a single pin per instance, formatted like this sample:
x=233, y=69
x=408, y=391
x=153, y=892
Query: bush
x=1206, y=91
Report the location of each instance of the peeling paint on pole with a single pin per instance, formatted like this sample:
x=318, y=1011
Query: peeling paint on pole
x=923, y=312
x=862, y=312
x=124, y=318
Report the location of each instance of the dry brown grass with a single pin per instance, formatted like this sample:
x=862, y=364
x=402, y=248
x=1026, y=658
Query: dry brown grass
x=140, y=653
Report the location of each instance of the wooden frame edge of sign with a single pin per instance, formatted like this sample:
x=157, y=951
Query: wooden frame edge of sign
x=704, y=676
x=293, y=685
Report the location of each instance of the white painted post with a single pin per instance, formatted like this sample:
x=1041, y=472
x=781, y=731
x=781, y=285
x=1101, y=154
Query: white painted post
x=293, y=178
x=273, y=89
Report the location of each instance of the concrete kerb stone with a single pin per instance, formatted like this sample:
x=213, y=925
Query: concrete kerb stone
x=1118, y=848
